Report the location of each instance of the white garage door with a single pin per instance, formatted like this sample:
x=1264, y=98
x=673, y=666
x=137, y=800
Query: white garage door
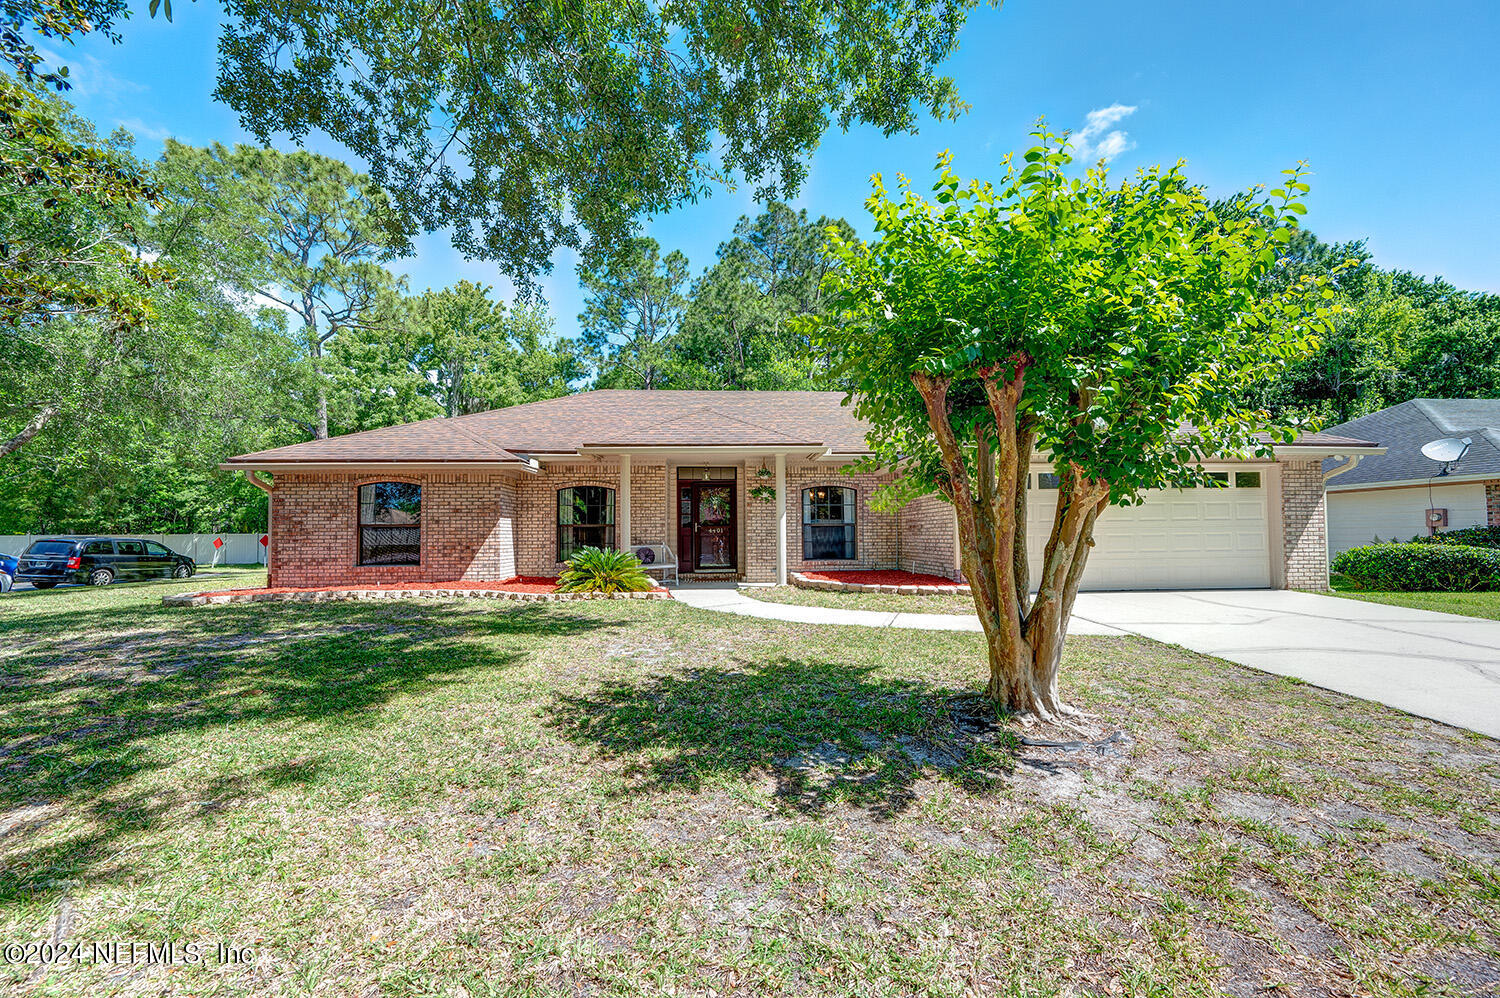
x=1178, y=539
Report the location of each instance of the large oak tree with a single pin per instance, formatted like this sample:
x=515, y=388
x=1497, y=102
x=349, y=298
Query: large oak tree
x=1109, y=330
x=532, y=124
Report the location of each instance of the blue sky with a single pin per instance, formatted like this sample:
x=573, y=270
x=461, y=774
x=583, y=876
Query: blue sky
x=1395, y=105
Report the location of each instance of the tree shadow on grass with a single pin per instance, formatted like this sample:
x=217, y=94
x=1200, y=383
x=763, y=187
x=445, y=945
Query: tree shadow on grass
x=80, y=719
x=825, y=732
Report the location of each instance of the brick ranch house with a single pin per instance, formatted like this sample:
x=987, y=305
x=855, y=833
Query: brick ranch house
x=740, y=485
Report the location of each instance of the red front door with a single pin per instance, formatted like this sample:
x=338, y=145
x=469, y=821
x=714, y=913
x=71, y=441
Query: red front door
x=713, y=526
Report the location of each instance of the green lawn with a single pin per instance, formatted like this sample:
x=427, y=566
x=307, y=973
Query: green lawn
x=891, y=602
x=625, y=798
x=1465, y=604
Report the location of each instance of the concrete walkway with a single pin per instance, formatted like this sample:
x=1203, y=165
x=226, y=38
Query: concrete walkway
x=727, y=597
x=1435, y=665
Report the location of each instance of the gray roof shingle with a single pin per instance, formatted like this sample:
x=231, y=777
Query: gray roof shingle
x=1403, y=429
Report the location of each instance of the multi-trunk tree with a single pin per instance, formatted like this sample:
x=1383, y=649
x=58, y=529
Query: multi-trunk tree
x=1106, y=331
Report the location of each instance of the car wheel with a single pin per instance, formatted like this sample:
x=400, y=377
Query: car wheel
x=101, y=577
x=43, y=585
x=182, y=571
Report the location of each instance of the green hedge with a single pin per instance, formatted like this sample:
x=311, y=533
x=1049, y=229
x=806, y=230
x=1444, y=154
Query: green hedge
x=1414, y=568
x=1477, y=537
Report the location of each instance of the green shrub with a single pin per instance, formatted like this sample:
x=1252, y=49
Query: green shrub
x=1476, y=537
x=1413, y=568
x=599, y=570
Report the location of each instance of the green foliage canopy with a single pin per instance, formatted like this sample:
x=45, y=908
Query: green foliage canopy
x=1114, y=329
x=530, y=126
x=1131, y=317
x=738, y=330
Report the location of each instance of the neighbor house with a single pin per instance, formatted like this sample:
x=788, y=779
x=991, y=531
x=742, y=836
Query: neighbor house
x=741, y=485
x=1389, y=496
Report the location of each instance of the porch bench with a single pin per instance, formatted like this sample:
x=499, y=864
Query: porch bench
x=656, y=558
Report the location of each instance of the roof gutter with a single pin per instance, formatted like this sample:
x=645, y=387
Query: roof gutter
x=757, y=449
x=530, y=466
x=1326, y=450
x=253, y=477
x=1349, y=464
x=1406, y=483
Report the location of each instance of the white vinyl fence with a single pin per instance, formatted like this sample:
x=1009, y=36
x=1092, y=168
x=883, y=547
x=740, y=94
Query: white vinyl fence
x=238, y=549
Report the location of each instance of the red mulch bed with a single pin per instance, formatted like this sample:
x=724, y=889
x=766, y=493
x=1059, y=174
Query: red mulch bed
x=888, y=578
x=519, y=584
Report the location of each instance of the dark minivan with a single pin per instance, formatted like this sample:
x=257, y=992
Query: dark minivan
x=99, y=561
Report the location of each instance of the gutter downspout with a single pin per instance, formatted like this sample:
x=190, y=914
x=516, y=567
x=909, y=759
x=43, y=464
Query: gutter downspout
x=253, y=477
x=1353, y=459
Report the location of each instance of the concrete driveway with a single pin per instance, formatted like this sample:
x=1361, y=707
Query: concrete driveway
x=1435, y=665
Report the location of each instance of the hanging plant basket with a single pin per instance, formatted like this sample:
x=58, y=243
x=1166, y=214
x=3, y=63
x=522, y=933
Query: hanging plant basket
x=764, y=472
x=763, y=493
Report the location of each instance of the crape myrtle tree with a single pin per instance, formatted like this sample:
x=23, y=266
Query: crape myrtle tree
x=1108, y=329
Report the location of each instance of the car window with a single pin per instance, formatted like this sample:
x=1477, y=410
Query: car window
x=98, y=547
x=128, y=547
x=154, y=548
x=51, y=547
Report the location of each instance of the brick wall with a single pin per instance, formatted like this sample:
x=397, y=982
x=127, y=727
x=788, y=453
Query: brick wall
x=925, y=538
x=1492, y=503
x=467, y=529
x=875, y=534
x=1304, y=514
x=536, y=513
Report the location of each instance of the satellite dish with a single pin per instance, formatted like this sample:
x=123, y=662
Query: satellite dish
x=1447, y=451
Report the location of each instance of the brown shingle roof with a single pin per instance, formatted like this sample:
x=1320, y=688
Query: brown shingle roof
x=699, y=424
x=427, y=441
x=613, y=418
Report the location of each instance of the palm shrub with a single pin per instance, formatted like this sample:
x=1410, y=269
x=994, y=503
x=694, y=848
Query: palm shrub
x=1414, y=568
x=604, y=570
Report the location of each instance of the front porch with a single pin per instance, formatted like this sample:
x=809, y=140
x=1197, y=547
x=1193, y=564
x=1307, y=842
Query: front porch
x=743, y=516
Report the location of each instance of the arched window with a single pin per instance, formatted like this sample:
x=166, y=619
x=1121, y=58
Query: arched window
x=585, y=519
x=828, y=523
x=390, y=523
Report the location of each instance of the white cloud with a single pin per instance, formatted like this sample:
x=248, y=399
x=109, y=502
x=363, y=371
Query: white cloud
x=90, y=77
x=141, y=130
x=1098, y=139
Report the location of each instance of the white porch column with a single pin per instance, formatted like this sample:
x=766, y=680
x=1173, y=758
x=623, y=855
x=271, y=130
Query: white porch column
x=622, y=525
x=781, y=519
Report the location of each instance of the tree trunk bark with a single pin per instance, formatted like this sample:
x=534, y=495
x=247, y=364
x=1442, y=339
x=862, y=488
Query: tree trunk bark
x=1023, y=636
x=1079, y=503
x=322, y=433
x=31, y=429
